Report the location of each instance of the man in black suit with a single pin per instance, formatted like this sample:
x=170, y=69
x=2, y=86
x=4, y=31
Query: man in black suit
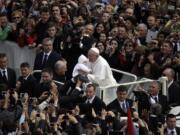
x=60, y=69
x=171, y=128
x=121, y=103
x=158, y=106
x=173, y=87
x=47, y=58
x=7, y=75
x=92, y=100
x=156, y=97
x=26, y=82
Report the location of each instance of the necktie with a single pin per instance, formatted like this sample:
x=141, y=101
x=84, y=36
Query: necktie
x=172, y=132
x=4, y=76
x=124, y=107
x=45, y=59
x=155, y=98
x=88, y=102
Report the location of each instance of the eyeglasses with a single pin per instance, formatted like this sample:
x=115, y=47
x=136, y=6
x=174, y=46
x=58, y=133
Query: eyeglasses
x=16, y=17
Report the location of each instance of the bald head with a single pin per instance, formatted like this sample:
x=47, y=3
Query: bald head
x=169, y=73
x=61, y=67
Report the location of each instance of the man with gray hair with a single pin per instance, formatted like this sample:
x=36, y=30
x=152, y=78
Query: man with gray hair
x=60, y=69
x=173, y=87
x=47, y=58
x=142, y=33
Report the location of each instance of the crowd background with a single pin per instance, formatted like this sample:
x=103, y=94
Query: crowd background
x=136, y=36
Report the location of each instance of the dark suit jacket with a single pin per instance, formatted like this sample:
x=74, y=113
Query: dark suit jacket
x=164, y=103
x=28, y=85
x=174, y=92
x=177, y=131
x=97, y=104
x=11, y=83
x=57, y=45
x=53, y=57
x=115, y=106
x=38, y=64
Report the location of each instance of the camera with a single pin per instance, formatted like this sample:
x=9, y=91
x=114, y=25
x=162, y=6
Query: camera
x=109, y=118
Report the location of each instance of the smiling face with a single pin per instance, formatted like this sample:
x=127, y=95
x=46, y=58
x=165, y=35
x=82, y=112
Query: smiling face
x=129, y=47
x=25, y=71
x=3, y=20
x=166, y=48
x=99, y=28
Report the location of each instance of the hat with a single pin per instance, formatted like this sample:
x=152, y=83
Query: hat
x=94, y=49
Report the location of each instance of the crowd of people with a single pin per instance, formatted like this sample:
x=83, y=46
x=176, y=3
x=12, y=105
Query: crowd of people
x=77, y=42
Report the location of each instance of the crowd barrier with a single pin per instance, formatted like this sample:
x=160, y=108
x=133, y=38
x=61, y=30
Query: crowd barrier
x=17, y=55
x=108, y=93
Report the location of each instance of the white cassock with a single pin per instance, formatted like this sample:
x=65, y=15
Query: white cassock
x=102, y=75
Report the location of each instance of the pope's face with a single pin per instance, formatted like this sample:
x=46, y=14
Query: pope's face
x=92, y=56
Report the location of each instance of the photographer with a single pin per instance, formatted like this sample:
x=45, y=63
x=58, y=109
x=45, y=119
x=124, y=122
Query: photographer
x=110, y=123
x=70, y=124
x=10, y=111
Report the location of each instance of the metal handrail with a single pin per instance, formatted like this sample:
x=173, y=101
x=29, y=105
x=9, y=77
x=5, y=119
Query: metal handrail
x=37, y=71
x=129, y=83
x=143, y=80
x=58, y=82
x=125, y=73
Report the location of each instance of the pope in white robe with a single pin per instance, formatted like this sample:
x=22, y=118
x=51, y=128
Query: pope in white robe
x=101, y=74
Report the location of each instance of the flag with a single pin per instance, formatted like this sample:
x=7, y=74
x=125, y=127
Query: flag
x=130, y=125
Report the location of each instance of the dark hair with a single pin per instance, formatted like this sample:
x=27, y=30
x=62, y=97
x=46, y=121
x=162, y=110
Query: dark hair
x=44, y=10
x=114, y=39
x=2, y=55
x=3, y=14
x=25, y=64
x=51, y=24
x=122, y=89
x=55, y=4
x=131, y=19
x=48, y=70
x=91, y=85
x=170, y=116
